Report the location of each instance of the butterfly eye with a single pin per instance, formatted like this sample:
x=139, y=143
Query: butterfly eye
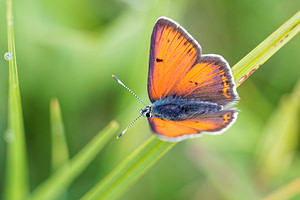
x=146, y=112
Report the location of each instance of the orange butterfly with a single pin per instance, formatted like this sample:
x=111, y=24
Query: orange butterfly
x=191, y=94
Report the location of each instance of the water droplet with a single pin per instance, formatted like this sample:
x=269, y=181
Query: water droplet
x=8, y=56
x=9, y=136
x=57, y=128
x=15, y=85
x=10, y=23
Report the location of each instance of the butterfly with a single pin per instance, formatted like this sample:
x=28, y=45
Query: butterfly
x=191, y=94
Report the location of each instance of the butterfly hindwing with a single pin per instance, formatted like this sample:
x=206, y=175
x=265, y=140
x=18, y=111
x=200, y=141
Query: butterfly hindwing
x=210, y=80
x=173, y=52
x=214, y=123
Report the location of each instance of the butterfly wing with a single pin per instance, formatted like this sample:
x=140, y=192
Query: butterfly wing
x=210, y=80
x=173, y=52
x=176, y=67
x=179, y=130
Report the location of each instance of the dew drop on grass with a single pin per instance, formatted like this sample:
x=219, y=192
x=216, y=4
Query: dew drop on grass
x=57, y=128
x=8, y=56
x=10, y=23
x=9, y=136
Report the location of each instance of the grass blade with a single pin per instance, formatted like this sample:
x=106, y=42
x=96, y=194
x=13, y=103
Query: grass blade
x=16, y=175
x=59, y=147
x=60, y=154
x=64, y=176
x=132, y=168
x=137, y=163
x=253, y=60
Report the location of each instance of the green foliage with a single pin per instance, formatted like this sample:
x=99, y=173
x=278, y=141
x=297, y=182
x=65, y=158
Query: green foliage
x=71, y=51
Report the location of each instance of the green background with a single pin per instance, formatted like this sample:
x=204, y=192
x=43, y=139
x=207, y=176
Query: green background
x=69, y=50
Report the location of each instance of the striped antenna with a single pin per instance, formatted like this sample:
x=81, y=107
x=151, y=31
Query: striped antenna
x=128, y=126
x=120, y=82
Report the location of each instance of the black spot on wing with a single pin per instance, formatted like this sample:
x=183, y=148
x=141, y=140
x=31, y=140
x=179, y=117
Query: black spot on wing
x=159, y=60
x=196, y=83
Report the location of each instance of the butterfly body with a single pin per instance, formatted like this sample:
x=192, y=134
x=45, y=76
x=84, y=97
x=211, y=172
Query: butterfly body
x=177, y=108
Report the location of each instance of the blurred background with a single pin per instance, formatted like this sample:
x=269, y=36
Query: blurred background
x=69, y=50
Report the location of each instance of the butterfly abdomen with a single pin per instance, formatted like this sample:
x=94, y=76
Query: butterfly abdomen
x=177, y=109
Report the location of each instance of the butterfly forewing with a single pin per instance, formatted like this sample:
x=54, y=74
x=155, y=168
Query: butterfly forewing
x=172, y=54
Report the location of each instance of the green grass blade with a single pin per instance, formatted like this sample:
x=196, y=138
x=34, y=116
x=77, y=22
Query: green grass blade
x=16, y=166
x=59, y=147
x=60, y=154
x=253, y=60
x=132, y=168
x=64, y=176
x=136, y=164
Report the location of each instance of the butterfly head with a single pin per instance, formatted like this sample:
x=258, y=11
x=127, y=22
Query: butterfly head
x=147, y=112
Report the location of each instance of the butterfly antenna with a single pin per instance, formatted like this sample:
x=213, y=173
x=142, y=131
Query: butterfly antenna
x=120, y=82
x=128, y=126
